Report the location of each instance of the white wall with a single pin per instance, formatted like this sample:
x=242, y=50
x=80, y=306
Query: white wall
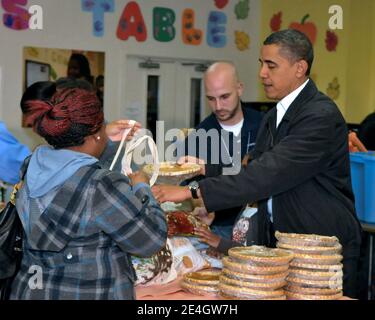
x=66, y=26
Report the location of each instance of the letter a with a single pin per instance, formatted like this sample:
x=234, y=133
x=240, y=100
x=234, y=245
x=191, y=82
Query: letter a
x=132, y=23
x=36, y=281
x=337, y=20
x=36, y=20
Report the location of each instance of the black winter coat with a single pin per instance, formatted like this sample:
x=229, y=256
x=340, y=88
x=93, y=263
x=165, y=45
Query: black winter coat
x=304, y=165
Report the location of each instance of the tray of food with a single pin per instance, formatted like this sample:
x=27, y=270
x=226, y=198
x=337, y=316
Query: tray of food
x=182, y=223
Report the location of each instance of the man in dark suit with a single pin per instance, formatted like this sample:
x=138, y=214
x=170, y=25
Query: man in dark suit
x=300, y=172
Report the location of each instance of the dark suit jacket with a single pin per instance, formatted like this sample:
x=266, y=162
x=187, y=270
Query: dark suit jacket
x=249, y=131
x=304, y=165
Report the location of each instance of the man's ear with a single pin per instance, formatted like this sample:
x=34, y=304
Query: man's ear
x=239, y=88
x=302, y=67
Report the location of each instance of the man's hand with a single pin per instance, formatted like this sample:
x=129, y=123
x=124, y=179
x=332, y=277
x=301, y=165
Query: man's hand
x=163, y=193
x=355, y=145
x=138, y=177
x=190, y=159
x=208, y=237
x=246, y=160
x=116, y=129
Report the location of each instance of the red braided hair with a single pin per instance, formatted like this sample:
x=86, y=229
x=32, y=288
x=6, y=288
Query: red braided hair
x=66, y=109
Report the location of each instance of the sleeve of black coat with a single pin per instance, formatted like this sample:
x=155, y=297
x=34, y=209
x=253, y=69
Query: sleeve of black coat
x=302, y=154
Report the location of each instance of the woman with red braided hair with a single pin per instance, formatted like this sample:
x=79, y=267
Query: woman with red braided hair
x=81, y=222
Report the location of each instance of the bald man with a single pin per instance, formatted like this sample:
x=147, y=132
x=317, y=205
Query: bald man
x=236, y=130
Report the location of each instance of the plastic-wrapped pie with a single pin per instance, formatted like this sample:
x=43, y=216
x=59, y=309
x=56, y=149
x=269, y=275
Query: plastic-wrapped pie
x=201, y=282
x=299, y=296
x=335, y=249
x=334, y=283
x=173, y=173
x=314, y=291
x=260, y=255
x=235, y=266
x=249, y=277
x=311, y=266
x=231, y=291
x=313, y=240
x=317, y=259
x=182, y=223
x=251, y=284
x=319, y=275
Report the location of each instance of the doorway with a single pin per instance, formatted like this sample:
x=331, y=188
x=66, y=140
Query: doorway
x=165, y=90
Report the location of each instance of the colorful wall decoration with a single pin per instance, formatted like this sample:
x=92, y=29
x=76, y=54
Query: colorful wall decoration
x=190, y=35
x=164, y=19
x=98, y=9
x=330, y=44
x=308, y=28
x=242, y=40
x=15, y=17
x=216, y=36
x=221, y=4
x=275, y=22
x=132, y=23
x=242, y=9
x=332, y=40
x=333, y=90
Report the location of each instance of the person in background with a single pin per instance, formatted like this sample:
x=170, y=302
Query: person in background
x=355, y=144
x=366, y=132
x=12, y=155
x=81, y=222
x=99, y=86
x=236, y=128
x=79, y=68
x=300, y=169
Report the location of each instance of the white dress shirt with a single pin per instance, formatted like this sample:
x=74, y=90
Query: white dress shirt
x=282, y=107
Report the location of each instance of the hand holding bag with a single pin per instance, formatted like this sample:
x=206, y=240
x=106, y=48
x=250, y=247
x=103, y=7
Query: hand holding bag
x=11, y=235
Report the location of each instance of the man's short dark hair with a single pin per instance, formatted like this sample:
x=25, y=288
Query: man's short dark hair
x=294, y=45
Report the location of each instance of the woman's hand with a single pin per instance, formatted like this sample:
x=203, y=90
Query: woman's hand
x=163, y=193
x=116, y=129
x=191, y=159
x=208, y=237
x=138, y=177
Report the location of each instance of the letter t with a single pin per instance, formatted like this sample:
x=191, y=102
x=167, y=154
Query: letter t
x=98, y=8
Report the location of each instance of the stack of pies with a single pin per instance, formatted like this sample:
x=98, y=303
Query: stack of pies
x=255, y=273
x=202, y=282
x=316, y=271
